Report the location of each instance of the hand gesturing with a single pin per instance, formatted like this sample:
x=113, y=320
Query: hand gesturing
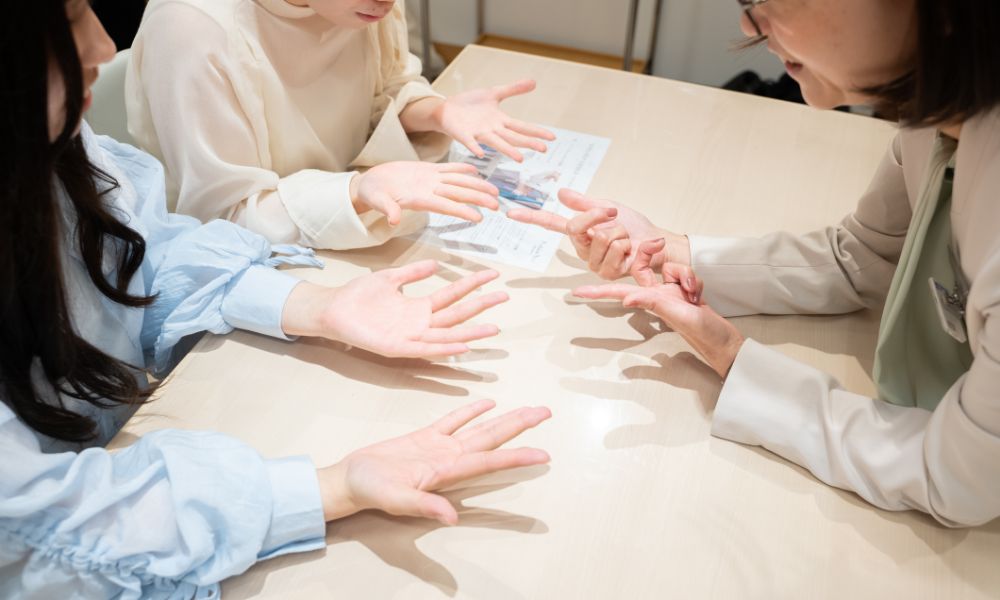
x=397, y=475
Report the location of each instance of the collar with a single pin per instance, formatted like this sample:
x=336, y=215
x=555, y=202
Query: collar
x=284, y=9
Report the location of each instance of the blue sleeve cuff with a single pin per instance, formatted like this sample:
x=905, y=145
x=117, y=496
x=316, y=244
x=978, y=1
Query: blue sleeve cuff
x=256, y=298
x=297, y=523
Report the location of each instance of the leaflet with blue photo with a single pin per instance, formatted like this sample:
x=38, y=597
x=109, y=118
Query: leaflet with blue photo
x=572, y=161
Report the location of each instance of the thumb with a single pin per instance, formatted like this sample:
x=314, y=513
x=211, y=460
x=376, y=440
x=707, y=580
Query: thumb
x=684, y=276
x=418, y=503
x=642, y=270
x=387, y=205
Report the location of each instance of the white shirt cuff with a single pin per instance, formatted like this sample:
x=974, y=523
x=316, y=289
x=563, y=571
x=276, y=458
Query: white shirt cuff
x=256, y=299
x=297, y=523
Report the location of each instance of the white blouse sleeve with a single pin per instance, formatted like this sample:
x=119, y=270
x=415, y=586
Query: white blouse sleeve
x=184, y=107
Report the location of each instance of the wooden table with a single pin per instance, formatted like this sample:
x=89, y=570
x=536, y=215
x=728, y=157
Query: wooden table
x=639, y=501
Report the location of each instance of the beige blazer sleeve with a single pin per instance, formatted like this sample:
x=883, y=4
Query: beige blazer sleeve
x=942, y=462
x=835, y=270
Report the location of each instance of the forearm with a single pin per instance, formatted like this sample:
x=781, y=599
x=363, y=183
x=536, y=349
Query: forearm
x=422, y=115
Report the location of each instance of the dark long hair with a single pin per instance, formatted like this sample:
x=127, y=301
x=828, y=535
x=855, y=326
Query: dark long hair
x=956, y=71
x=35, y=325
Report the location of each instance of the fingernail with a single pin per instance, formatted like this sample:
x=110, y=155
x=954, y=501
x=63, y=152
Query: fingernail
x=690, y=282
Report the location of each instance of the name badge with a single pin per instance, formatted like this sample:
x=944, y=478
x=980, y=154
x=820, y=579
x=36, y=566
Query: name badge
x=950, y=311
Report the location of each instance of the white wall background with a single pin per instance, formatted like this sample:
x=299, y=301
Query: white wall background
x=695, y=35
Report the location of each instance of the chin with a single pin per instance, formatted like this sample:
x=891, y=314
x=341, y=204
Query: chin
x=822, y=99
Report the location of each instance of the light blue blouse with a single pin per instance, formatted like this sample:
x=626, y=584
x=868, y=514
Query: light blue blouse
x=179, y=511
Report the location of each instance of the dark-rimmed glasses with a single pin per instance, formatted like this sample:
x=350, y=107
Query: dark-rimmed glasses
x=748, y=6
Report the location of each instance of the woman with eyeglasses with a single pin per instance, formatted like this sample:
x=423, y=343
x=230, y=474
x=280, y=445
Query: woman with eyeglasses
x=97, y=281
x=924, y=239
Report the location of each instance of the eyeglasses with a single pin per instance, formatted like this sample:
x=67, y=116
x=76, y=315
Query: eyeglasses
x=748, y=6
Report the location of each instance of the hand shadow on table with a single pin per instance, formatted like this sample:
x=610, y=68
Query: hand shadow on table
x=646, y=324
x=683, y=370
x=394, y=539
x=842, y=506
x=397, y=253
x=567, y=282
x=374, y=369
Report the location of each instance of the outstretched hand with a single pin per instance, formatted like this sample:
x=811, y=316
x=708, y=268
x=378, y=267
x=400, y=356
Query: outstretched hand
x=398, y=475
x=682, y=308
x=607, y=235
x=371, y=312
x=449, y=189
x=474, y=117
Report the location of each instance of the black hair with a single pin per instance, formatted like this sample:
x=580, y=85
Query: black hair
x=36, y=326
x=956, y=68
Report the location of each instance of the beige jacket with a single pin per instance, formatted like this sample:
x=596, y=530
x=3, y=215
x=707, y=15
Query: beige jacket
x=946, y=462
x=261, y=111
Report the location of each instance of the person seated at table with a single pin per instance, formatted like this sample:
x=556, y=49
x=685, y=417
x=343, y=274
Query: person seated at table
x=262, y=112
x=924, y=239
x=98, y=280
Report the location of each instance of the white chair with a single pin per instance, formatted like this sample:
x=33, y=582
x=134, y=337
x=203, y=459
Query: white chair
x=107, y=115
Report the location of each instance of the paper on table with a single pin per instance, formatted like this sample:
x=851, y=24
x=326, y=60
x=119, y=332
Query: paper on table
x=571, y=161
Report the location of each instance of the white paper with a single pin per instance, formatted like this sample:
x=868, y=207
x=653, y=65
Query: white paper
x=572, y=161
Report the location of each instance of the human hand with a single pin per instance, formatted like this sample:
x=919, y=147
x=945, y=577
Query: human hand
x=606, y=234
x=474, y=117
x=712, y=336
x=447, y=189
x=397, y=475
x=371, y=313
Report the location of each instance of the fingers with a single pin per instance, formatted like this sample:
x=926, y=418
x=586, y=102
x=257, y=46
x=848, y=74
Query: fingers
x=454, y=292
x=530, y=130
x=428, y=350
x=541, y=218
x=601, y=240
x=522, y=141
x=467, y=334
x=411, y=273
x=473, y=182
x=609, y=291
x=642, y=269
x=684, y=276
x=470, y=142
x=447, y=206
x=465, y=195
x=466, y=310
x=578, y=228
x=517, y=88
x=500, y=430
x=451, y=422
x=613, y=265
x=468, y=466
x=502, y=146
x=579, y=202
x=456, y=167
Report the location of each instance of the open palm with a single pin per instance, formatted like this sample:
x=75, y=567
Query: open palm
x=372, y=313
x=398, y=475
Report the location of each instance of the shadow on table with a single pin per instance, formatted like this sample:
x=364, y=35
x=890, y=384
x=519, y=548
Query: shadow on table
x=394, y=539
x=876, y=525
x=398, y=252
x=373, y=369
x=669, y=427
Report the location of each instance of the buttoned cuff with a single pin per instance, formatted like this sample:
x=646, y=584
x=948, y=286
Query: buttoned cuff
x=256, y=299
x=297, y=523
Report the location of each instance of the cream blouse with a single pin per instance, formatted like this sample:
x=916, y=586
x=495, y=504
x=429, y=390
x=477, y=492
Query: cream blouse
x=261, y=111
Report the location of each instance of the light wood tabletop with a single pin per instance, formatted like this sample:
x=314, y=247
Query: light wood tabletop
x=639, y=500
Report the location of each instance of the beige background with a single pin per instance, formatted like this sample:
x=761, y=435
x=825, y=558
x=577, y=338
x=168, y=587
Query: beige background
x=639, y=501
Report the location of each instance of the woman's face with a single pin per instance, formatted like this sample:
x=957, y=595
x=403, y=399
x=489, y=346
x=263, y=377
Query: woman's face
x=833, y=48
x=355, y=14
x=94, y=47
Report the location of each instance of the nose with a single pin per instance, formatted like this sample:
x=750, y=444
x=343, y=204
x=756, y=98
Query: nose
x=96, y=47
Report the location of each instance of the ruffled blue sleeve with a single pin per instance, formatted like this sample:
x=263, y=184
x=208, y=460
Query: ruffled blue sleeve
x=213, y=277
x=169, y=517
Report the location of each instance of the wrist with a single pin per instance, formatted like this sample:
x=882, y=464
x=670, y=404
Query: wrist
x=722, y=357
x=303, y=314
x=426, y=114
x=354, y=190
x=334, y=492
x=678, y=248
